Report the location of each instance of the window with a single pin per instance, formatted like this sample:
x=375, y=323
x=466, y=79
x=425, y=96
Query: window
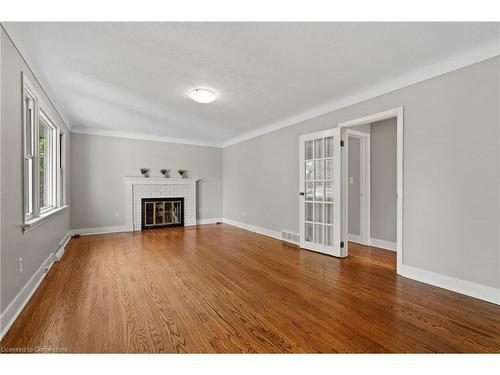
x=47, y=157
x=43, y=160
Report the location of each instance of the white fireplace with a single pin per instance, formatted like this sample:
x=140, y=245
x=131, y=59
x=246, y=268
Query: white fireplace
x=138, y=188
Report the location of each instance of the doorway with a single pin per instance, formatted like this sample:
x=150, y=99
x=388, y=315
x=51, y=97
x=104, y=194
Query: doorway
x=358, y=179
x=354, y=129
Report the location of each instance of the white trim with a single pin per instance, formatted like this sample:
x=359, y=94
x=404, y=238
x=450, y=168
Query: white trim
x=354, y=238
x=19, y=302
x=101, y=230
x=448, y=65
x=383, y=244
x=365, y=182
x=17, y=305
x=143, y=137
x=259, y=230
x=213, y=220
x=126, y=228
x=35, y=222
x=399, y=114
x=482, y=292
x=159, y=180
x=62, y=247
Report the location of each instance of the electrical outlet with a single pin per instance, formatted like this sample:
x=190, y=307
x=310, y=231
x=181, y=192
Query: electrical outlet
x=351, y=180
x=244, y=213
x=20, y=265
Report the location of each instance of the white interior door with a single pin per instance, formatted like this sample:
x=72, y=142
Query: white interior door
x=320, y=192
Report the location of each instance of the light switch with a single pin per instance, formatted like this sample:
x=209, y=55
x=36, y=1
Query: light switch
x=351, y=180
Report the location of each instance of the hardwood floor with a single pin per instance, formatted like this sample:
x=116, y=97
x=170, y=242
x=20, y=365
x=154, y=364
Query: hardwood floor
x=217, y=288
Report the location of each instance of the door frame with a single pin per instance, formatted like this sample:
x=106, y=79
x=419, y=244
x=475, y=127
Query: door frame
x=364, y=184
x=398, y=113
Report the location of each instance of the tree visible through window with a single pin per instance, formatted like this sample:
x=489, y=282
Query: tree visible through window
x=47, y=157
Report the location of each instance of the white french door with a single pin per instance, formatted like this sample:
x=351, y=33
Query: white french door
x=320, y=192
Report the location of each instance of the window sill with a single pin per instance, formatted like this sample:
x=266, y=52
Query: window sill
x=33, y=223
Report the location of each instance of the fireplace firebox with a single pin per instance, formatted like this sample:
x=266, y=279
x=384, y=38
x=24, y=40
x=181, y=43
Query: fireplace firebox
x=162, y=212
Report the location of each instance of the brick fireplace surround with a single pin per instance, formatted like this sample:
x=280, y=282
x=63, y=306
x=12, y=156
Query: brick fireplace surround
x=140, y=187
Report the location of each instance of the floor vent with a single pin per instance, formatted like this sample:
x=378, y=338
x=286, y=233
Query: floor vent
x=290, y=236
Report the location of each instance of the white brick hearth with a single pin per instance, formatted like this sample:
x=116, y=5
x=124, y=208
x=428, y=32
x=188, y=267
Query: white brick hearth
x=140, y=187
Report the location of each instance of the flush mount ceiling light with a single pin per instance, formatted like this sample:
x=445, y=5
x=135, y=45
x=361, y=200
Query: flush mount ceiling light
x=202, y=95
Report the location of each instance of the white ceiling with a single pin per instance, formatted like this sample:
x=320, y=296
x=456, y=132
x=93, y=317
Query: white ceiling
x=132, y=79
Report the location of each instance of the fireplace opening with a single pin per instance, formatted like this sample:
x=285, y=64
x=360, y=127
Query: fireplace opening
x=162, y=212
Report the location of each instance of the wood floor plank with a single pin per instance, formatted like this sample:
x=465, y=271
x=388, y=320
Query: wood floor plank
x=220, y=289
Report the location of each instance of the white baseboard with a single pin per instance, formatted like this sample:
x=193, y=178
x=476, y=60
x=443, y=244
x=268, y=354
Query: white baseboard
x=62, y=247
x=213, y=220
x=483, y=292
x=383, y=244
x=12, y=311
x=101, y=230
x=126, y=228
x=256, y=229
x=354, y=238
x=19, y=302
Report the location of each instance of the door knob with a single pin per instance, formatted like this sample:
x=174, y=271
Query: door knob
x=301, y=193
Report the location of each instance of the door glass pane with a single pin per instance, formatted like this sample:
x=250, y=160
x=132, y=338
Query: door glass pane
x=309, y=191
x=328, y=213
x=309, y=170
x=309, y=150
x=318, y=212
x=329, y=169
x=318, y=169
x=318, y=233
x=318, y=148
x=308, y=232
x=318, y=191
x=309, y=211
x=328, y=235
x=328, y=147
x=329, y=191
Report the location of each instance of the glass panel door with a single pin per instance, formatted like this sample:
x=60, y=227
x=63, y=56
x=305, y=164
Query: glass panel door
x=320, y=191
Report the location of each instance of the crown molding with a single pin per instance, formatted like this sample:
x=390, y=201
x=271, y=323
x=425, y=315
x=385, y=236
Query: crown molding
x=448, y=65
x=143, y=137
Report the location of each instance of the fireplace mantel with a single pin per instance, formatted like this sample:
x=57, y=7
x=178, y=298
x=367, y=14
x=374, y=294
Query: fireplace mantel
x=158, y=180
x=159, y=187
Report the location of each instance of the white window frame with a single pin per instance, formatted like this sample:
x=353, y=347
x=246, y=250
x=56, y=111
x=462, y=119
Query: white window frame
x=51, y=158
x=31, y=179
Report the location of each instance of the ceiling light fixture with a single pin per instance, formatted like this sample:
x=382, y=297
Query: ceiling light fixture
x=202, y=96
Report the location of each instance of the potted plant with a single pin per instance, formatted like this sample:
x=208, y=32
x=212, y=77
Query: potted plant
x=165, y=172
x=182, y=173
x=145, y=172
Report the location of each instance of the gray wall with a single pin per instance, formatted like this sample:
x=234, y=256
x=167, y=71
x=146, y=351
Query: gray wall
x=354, y=172
x=100, y=163
x=451, y=172
x=383, y=167
x=36, y=245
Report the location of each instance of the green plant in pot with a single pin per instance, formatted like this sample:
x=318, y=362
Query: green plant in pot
x=165, y=172
x=145, y=172
x=182, y=173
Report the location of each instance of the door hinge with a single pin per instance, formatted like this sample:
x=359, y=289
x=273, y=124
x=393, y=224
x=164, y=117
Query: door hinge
x=341, y=143
x=341, y=244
